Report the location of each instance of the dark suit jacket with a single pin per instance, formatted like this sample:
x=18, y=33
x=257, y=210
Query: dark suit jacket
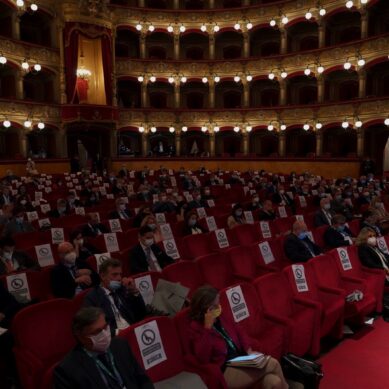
x=187, y=230
x=370, y=258
x=296, y=250
x=320, y=219
x=14, y=228
x=277, y=199
x=265, y=216
x=115, y=214
x=79, y=371
x=25, y=262
x=55, y=214
x=88, y=230
x=8, y=305
x=138, y=262
x=62, y=282
x=132, y=308
x=333, y=238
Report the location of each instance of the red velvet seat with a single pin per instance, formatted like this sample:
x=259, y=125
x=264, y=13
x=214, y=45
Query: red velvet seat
x=197, y=245
x=247, y=234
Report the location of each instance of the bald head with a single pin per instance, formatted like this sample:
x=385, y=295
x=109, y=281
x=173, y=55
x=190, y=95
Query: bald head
x=64, y=248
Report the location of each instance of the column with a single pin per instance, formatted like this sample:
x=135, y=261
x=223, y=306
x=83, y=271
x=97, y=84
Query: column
x=145, y=144
x=246, y=3
x=362, y=83
x=61, y=146
x=282, y=91
x=176, y=38
x=282, y=144
x=23, y=143
x=62, y=84
x=143, y=93
x=177, y=140
x=322, y=34
x=320, y=88
x=141, y=3
x=246, y=94
x=211, y=4
x=142, y=45
x=284, y=40
x=212, y=46
x=176, y=4
x=15, y=20
x=177, y=95
x=364, y=24
x=360, y=142
x=211, y=95
x=114, y=143
x=114, y=81
x=246, y=44
x=246, y=143
x=212, y=144
x=319, y=143
x=19, y=84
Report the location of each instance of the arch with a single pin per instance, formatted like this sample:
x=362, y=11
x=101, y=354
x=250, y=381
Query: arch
x=129, y=142
x=343, y=27
x=192, y=140
x=127, y=43
x=302, y=90
x=265, y=42
x=128, y=93
x=36, y=28
x=6, y=10
x=8, y=76
x=9, y=142
x=228, y=143
x=228, y=45
x=228, y=94
x=160, y=95
x=377, y=80
x=378, y=18
x=338, y=142
x=39, y=87
x=41, y=143
x=194, y=95
x=194, y=45
x=159, y=45
x=341, y=85
x=300, y=143
x=263, y=143
x=304, y=35
x=264, y=93
x=376, y=136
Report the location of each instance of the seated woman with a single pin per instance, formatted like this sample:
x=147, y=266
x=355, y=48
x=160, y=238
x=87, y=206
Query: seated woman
x=378, y=207
x=144, y=211
x=192, y=226
x=215, y=339
x=236, y=217
x=83, y=249
x=151, y=222
x=369, y=253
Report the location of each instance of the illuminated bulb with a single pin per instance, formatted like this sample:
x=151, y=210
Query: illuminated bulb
x=358, y=124
x=34, y=7
x=236, y=78
x=249, y=128
x=141, y=129
x=284, y=20
x=6, y=123
x=171, y=129
x=27, y=123
x=183, y=79
x=41, y=125
x=3, y=60
x=216, y=28
x=361, y=62
x=216, y=78
x=153, y=129
x=283, y=127
x=307, y=72
x=308, y=15
x=270, y=127
x=364, y=1
x=141, y=78
x=151, y=28
x=204, y=80
x=318, y=125
x=271, y=76
x=249, y=26
x=236, y=129
x=345, y=124
x=170, y=29
x=249, y=78
x=237, y=26
x=217, y=129
x=20, y=3
x=138, y=27
x=320, y=69
x=284, y=74
x=386, y=122
x=322, y=11
x=25, y=65
x=203, y=28
x=171, y=80
x=272, y=23
x=349, y=4
x=182, y=28
x=347, y=65
x=153, y=78
x=306, y=127
x=204, y=129
x=37, y=67
x=184, y=129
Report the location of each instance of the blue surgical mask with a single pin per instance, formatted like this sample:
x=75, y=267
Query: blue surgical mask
x=302, y=235
x=341, y=228
x=114, y=285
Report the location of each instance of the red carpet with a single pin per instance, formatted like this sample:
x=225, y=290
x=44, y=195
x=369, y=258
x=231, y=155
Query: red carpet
x=360, y=362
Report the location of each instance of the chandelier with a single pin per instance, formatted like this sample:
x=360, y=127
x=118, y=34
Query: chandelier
x=82, y=72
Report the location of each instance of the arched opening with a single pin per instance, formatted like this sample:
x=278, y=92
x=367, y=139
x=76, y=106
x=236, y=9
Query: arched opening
x=302, y=90
x=129, y=143
x=128, y=3
x=229, y=94
x=194, y=46
x=376, y=137
x=265, y=42
x=228, y=45
x=339, y=142
x=159, y=45
x=162, y=143
x=39, y=87
x=264, y=143
x=129, y=93
x=9, y=143
x=7, y=82
x=343, y=27
x=379, y=18
x=303, y=36
x=194, y=95
x=36, y=28
x=194, y=4
x=127, y=43
x=195, y=140
x=341, y=85
x=228, y=143
x=161, y=95
x=264, y=93
x=6, y=20
x=377, y=80
x=41, y=143
x=300, y=143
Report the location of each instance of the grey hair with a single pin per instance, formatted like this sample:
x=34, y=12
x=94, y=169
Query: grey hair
x=84, y=318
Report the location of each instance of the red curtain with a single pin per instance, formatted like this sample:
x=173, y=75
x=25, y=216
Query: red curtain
x=71, y=57
x=106, y=49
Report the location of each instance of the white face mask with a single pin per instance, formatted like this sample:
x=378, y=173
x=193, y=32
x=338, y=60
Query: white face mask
x=101, y=341
x=327, y=206
x=372, y=241
x=70, y=257
x=149, y=242
x=7, y=254
x=122, y=207
x=80, y=242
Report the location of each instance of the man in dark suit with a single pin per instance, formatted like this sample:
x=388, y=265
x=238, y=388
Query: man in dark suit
x=60, y=211
x=121, y=211
x=338, y=235
x=267, y=213
x=323, y=217
x=282, y=198
x=297, y=246
x=6, y=196
x=146, y=255
x=71, y=276
x=98, y=361
x=118, y=297
x=11, y=260
x=18, y=223
x=94, y=227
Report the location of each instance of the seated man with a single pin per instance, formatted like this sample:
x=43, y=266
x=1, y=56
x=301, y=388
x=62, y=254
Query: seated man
x=146, y=255
x=163, y=204
x=94, y=227
x=18, y=223
x=11, y=260
x=338, y=234
x=117, y=296
x=71, y=276
x=98, y=361
x=297, y=246
x=267, y=213
x=60, y=211
x=121, y=211
x=323, y=217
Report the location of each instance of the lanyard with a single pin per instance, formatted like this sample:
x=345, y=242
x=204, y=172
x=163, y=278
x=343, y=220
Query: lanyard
x=115, y=376
x=225, y=336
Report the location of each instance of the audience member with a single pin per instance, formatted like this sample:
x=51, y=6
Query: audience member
x=323, y=217
x=83, y=249
x=197, y=201
x=121, y=211
x=60, y=211
x=255, y=203
x=267, y=212
x=236, y=218
x=18, y=224
x=143, y=211
x=338, y=234
x=191, y=225
x=163, y=204
x=370, y=219
x=151, y=222
x=94, y=228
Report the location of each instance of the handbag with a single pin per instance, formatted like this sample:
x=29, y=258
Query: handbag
x=301, y=370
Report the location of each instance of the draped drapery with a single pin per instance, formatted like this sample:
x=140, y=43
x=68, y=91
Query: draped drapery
x=106, y=48
x=71, y=61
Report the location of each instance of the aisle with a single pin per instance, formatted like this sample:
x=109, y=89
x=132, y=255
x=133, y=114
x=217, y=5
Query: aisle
x=360, y=362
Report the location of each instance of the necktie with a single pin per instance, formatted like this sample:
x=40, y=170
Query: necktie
x=124, y=215
x=9, y=266
x=149, y=259
x=110, y=375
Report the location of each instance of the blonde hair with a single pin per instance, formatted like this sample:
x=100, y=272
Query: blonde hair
x=363, y=235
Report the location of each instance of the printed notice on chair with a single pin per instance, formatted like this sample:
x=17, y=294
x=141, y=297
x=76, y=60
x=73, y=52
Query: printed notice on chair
x=57, y=235
x=211, y=223
x=44, y=255
x=100, y=258
x=166, y=231
x=381, y=243
x=265, y=229
x=17, y=285
x=299, y=277
x=237, y=303
x=150, y=344
x=222, y=239
x=266, y=252
x=145, y=287
x=111, y=242
x=115, y=225
x=344, y=258
x=171, y=248
x=248, y=215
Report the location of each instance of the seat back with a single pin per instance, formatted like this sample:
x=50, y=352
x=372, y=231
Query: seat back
x=196, y=245
x=243, y=263
x=326, y=271
x=247, y=234
x=347, y=260
x=302, y=280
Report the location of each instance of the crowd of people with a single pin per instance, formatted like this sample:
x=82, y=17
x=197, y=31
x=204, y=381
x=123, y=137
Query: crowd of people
x=143, y=201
